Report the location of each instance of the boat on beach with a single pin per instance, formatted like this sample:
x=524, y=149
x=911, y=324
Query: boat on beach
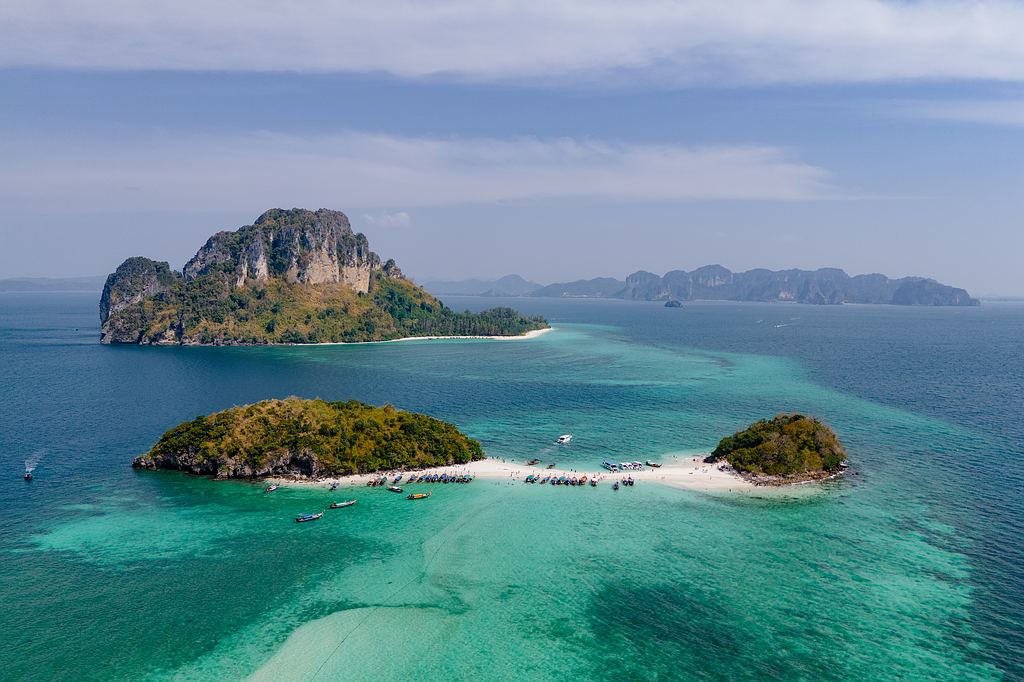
x=302, y=518
x=651, y=464
x=271, y=488
x=418, y=496
x=342, y=505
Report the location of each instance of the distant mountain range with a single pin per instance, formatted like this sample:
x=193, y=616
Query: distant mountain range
x=509, y=285
x=825, y=286
x=40, y=284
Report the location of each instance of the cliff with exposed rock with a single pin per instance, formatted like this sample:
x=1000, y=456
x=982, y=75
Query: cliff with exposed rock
x=293, y=276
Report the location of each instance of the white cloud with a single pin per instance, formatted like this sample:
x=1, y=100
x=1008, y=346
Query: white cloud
x=666, y=41
x=361, y=171
x=998, y=112
x=385, y=219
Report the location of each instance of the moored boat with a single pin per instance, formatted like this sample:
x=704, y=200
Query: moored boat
x=302, y=518
x=418, y=496
x=593, y=482
x=615, y=486
x=271, y=488
x=654, y=465
x=395, y=489
x=342, y=505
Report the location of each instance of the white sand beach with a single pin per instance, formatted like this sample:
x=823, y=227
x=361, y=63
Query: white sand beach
x=687, y=472
x=522, y=337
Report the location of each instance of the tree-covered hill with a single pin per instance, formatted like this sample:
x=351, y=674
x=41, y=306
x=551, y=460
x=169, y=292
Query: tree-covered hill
x=787, y=445
x=308, y=438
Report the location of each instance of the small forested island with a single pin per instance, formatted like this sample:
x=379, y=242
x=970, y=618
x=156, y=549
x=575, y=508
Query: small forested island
x=787, y=448
x=293, y=276
x=308, y=439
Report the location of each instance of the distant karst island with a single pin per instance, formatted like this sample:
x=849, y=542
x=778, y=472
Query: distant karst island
x=293, y=276
x=787, y=448
x=825, y=286
x=308, y=439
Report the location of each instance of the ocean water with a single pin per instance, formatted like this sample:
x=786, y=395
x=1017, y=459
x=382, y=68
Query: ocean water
x=911, y=568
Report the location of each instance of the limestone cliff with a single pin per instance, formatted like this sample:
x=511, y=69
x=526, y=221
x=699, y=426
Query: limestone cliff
x=295, y=276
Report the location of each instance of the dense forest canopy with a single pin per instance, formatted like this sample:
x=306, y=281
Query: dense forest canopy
x=309, y=437
x=785, y=445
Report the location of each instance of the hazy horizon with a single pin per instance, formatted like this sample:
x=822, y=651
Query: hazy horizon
x=868, y=136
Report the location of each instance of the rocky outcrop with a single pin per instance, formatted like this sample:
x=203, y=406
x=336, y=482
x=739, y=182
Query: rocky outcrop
x=299, y=246
x=123, y=318
x=294, y=276
x=301, y=464
x=825, y=286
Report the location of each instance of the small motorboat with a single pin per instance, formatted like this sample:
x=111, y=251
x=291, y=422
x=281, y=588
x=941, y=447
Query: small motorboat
x=533, y=462
x=342, y=505
x=551, y=466
x=395, y=489
x=654, y=465
x=28, y=475
x=271, y=488
x=562, y=440
x=593, y=483
x=615, y=486
x=418, y=496
x=302, y=518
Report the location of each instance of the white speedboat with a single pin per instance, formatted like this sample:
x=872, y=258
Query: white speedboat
x=562, y=440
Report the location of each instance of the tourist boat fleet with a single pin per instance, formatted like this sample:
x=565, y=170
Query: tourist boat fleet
x=418, y=478
x=625, y=466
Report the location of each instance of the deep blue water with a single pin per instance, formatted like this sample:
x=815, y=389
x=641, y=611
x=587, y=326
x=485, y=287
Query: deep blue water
x=926, y=538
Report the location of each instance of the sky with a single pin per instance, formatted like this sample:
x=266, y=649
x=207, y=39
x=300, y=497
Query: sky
x=557, y=140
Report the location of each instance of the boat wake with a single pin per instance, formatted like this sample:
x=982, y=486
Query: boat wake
x=33, y=461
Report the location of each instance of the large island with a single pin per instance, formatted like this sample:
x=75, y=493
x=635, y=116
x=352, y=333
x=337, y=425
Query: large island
x=293, y=276
x=308, y=439
x=788, y=448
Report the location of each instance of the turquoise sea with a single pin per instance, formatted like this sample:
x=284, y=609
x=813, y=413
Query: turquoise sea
x=911, y=568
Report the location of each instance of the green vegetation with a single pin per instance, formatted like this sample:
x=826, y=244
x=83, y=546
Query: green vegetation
x=209, y=310
x=790, y=445
x=309, y=437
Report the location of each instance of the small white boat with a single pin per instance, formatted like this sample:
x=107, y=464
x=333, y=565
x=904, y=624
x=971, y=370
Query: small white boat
x=342, y=505
x=562, y=440
x=271, y=488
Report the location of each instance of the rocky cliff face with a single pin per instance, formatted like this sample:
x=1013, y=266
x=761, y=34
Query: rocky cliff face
x=298, y=246
x=293, y=276
x=122, y=315
x=144, y=301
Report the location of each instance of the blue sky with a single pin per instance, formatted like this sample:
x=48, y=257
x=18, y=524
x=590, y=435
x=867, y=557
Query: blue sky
x=557, y=140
